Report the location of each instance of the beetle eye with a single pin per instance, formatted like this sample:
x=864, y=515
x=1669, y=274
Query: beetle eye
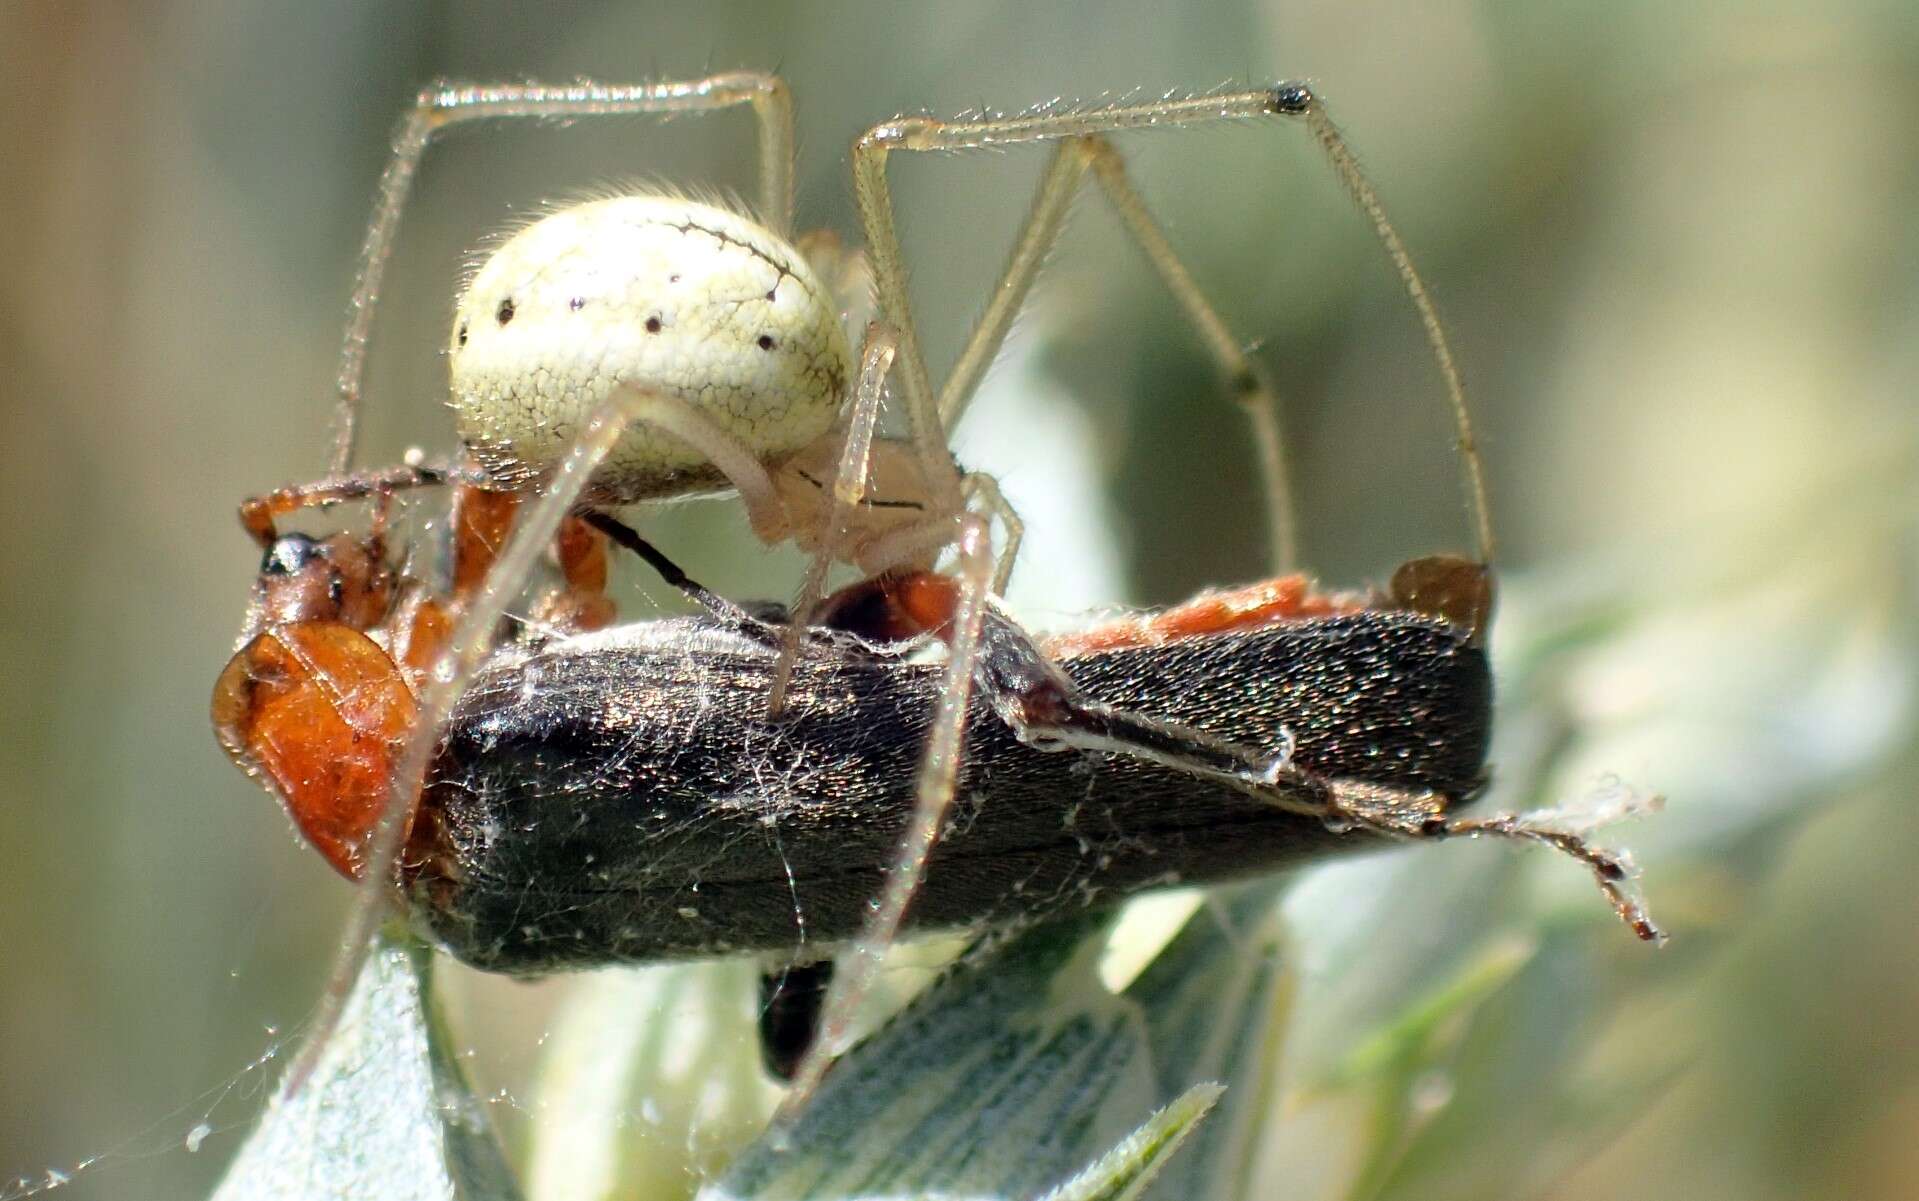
x=288, y=554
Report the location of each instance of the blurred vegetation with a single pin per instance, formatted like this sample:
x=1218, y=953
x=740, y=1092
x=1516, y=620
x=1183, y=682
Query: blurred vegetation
x=1675, y=248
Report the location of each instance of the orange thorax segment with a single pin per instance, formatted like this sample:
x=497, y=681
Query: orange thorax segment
x=1286, y=598
x=320, y=713
x=893, y=607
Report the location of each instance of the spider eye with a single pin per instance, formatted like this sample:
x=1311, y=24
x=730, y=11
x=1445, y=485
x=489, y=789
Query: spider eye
x=652, y=325
x=766, y=342
x=505, y=311
x=462, y=333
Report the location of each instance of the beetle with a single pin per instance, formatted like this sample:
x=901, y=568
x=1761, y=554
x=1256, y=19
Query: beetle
x=622, y=795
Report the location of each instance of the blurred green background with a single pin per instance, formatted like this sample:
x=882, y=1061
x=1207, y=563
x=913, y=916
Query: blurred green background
x=1674, y=245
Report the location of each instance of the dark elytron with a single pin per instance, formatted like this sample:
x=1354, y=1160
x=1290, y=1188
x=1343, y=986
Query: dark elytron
x=623, y=795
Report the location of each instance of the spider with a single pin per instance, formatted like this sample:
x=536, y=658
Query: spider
x=645, y=347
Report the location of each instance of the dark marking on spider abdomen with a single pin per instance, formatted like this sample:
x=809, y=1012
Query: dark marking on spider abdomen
x=604, y=801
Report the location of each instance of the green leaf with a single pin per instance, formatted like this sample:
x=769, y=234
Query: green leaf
x=386, y=1112
x=1126, y=1170
x=1020, y=1068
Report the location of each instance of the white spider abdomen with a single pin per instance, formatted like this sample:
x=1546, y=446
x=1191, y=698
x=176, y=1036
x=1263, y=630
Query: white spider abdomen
x=669, y=295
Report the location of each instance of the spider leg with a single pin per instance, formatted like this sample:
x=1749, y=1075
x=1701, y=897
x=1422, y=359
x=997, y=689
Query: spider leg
x=1083, y=147
x=849, y=488
x=937, y=784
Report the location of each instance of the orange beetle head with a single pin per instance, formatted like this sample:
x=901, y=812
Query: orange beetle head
x=310, y=705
